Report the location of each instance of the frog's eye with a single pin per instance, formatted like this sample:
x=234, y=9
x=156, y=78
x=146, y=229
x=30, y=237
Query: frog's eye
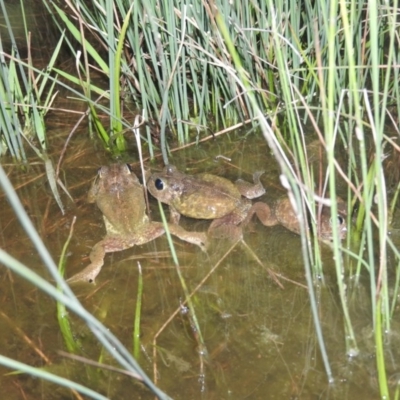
x=159, y=184
x=339, y=220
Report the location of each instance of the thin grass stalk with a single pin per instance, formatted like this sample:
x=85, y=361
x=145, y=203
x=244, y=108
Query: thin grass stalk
x=164, y=112
x=380, y=353
x=41, y=373
x=140, y=79
x=138, y=313
x=115, y=89
x=114, y=74
x=62, y=314
x=396, y=289
x=15, y=134
x=380, y=197
x=114, y=59
x=186, y=292
x=393, y=204
x=157, y=56
x=8, y=118
x=192, y=316
x=86, y=85
x=78, y=37
x=10, y=125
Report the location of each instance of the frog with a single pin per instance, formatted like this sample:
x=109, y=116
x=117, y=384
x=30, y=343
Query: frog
x=282, y=212
x=206, y=196
x=119, y=195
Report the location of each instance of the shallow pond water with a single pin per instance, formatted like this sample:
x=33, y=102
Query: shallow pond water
x=259, y=336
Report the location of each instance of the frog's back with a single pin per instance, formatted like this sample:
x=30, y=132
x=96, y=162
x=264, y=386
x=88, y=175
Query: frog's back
x=119, y=195
x=207, y=196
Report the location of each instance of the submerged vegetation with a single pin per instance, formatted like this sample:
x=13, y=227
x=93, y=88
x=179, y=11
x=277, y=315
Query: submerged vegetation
x=275, y=65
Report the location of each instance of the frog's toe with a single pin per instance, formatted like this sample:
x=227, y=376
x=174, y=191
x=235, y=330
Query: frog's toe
x=257, y=175
x=203, y=242
x=199, y=239
x=251, y=190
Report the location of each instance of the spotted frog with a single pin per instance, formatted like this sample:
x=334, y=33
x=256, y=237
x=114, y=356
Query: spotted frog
x=119, y=196
x=206, y=196
x=281, y=212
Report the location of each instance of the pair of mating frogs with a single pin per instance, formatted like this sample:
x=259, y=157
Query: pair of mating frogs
x=119, y=196
x=207, y=196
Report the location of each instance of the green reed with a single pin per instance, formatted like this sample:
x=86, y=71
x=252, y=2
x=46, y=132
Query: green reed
x=138, y=314
x=62, y=315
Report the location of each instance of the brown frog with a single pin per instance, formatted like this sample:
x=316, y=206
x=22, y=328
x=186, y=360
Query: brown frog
x=119, y=196
x=206, y=196
x=281, y=212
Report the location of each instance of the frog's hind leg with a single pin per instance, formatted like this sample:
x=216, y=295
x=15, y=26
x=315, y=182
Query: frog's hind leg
x=264, y=213
x=108, y=245
x=90, y=273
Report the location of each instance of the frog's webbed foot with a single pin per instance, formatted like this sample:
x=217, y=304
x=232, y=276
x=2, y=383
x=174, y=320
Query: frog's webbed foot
x=251, y=190
x=198, y=238
x=90, y=273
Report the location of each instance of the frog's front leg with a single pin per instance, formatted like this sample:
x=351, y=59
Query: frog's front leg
x=197, y=238
x=155, y=229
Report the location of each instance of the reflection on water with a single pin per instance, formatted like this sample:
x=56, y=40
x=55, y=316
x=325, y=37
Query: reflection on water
x=259, y=336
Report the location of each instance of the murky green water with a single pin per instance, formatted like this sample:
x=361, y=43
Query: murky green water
x=259, y=336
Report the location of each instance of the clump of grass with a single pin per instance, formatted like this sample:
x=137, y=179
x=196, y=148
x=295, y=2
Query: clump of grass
x=174, y=64
x=26, y=97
